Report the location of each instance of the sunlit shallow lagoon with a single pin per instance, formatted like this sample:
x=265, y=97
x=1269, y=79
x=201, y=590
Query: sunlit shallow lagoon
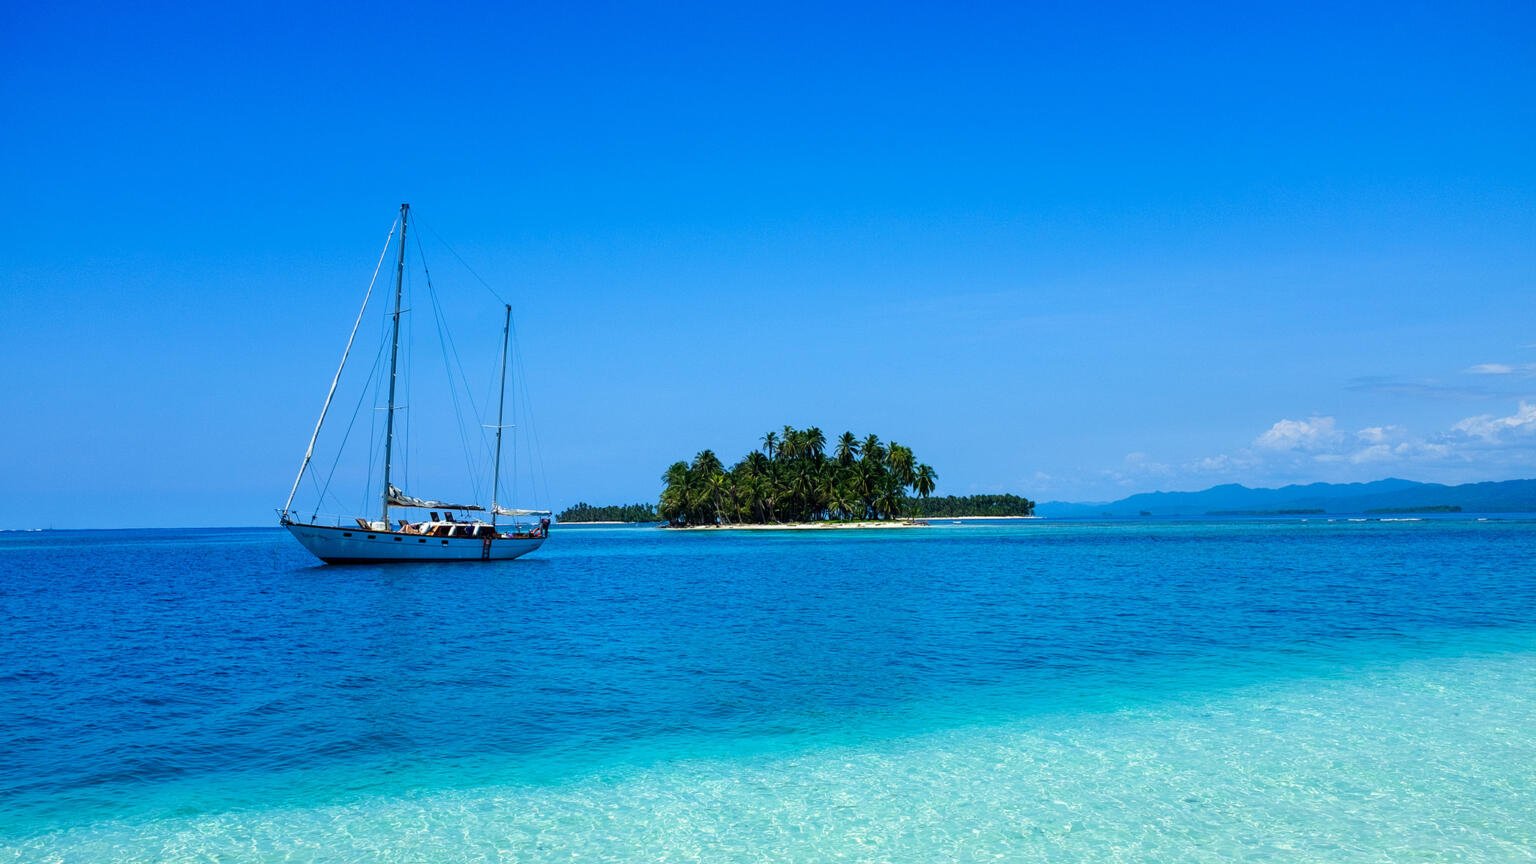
x=1137, y=690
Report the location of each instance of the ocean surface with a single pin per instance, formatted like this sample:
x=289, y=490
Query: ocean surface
x=1143, y=690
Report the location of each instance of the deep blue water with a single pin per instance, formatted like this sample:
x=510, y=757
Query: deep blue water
x=165, y=674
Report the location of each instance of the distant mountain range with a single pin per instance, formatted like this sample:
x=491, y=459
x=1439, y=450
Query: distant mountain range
x=1381, y=496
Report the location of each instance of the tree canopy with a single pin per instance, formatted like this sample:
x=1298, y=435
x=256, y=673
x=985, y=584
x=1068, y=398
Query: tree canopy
x=792, y=479
x=584, y=512
x=972, y=505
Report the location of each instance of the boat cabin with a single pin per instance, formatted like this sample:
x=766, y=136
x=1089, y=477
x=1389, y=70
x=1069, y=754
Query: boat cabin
x=446, y=526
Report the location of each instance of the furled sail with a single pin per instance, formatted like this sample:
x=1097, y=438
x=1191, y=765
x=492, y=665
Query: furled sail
x=400, y=499
x=512, y=511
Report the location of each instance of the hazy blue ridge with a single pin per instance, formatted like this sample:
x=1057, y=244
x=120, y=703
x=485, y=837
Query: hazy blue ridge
x=1506, y=496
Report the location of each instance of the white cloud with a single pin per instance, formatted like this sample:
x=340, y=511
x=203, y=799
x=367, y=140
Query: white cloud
x=1217, y=464
x=1136, y=468
x=1379, y=434
x=1314, y=433
x=1522, y=370
x=1496, y=429
x=1142, y=461
x=1041, y=482
x=1403, y=451
x=1315, y=449
x=1374, y=453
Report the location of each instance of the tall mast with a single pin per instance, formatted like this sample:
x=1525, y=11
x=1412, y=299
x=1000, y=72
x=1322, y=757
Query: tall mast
x=506, y=332
x=394, y=356
x=347, y=352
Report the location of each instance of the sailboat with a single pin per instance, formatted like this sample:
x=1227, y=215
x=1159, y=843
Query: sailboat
x=438, y=535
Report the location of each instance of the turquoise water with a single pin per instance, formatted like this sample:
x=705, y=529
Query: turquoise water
x=1281, y=690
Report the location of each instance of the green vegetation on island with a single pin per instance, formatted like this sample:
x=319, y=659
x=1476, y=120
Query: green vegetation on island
x=793, y=479
x=952, y=506
x=1430, y=508
x=584, y=512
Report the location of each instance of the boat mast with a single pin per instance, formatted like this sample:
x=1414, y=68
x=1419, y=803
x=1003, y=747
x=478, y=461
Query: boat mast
x=506, y=332
x=309, y=451
x=394, y=356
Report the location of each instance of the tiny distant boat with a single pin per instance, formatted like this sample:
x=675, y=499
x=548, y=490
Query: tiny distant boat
x=438, y=535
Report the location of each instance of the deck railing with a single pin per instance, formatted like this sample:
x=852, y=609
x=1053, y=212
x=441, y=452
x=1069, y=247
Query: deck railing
x=335, y=520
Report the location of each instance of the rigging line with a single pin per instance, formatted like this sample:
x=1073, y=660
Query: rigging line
x=533, y=428
x=320, y=503
x=309, y=452
x=527, y=407
x=409, y=373
x=456, y=254
x=452, y=347
x=427, y=224
x=515, y=448
x=520, y=384
x=374, y=432
x=490, y=396
x=444, y=342
x=378, y=358
x=490, y=392
x=322, y=496
x=447, y=334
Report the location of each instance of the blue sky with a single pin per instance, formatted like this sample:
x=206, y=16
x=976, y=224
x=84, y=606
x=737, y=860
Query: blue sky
x=1068, y=252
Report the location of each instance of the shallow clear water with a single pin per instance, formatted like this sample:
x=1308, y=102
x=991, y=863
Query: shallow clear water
x=1139, y=690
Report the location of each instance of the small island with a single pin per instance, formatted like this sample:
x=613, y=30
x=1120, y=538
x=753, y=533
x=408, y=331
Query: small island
x=613, y=513
x=971, y=507
x=793, y=480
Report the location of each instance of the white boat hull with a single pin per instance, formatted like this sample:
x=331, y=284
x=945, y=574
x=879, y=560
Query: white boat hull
x=357, y=546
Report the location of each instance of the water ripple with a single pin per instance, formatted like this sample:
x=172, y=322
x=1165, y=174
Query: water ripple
x=206, y=672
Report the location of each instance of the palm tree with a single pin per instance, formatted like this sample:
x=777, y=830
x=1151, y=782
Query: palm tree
x=815, y=443
x=805, y=488
x=874, y=451
x=703, y=506
x=924, y=481
x=826, y=492
x=900, y=461
x=843, y=497
x=674, y=495
x=706, y=463
x=768, y=499
x=676, y=474
x=888, y=504
x=750, y=497
x=791, y=444
x=847, y=449
x=757, y=464
x=770, y=444
x=720, y=495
